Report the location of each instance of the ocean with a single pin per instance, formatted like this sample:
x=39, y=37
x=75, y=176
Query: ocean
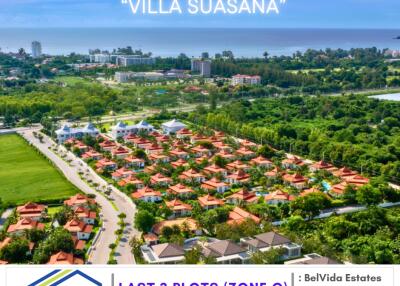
x=193, y=41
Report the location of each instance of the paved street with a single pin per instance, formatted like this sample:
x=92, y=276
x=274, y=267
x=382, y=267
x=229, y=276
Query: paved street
x=109, y=214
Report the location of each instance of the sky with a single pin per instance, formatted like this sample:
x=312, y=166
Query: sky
x=378, y=14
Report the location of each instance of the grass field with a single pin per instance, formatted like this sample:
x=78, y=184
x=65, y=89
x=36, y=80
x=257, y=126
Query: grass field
x=70, y=80
x=27, y=176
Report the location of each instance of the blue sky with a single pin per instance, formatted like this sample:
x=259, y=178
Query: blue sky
x=111, y=13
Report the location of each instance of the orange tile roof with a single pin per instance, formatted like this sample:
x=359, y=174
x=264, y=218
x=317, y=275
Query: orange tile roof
x=25, y=224
x=82, y=212
x=180, y=189
x=160, y=178
x=79, y=199
x=344, y=172
x=131, y=180
x=238, y=216
x=209, y=200
x=280, y=196
x=30, y=209
x=296, y=178
x=146, y=192
x=213, y=184
x=64, y=258
x=244, y=195
x=260, y=160
x=76, y=225
x=177, y=205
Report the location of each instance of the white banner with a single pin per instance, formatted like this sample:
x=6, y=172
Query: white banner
x=219, y=275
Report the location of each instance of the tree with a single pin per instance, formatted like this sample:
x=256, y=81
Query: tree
x=273, y=256
x=193, y=256
x=368, y=195
x=266, y=151
x=350, y=193
x=310, y=205
x=16, y=251
x=63, y=215
x=58, y=240
x=144, y=220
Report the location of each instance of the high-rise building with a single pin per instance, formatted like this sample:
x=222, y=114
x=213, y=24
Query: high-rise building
x=36, y=49
x=132, y=60
x=201, y=66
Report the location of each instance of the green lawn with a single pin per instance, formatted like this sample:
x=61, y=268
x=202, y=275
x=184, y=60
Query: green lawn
x=27, y=176
x=70, y=80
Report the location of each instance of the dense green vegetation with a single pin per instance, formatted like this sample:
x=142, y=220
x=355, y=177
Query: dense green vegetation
x=25, y=175
x=355, y=131
x=371, y=236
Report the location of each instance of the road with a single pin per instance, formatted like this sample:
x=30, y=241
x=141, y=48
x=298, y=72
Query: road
x=4, y=216
x=100, y=250
x=121, y=201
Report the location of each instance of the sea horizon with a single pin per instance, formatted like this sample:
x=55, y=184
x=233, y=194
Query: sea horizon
x=167, y=42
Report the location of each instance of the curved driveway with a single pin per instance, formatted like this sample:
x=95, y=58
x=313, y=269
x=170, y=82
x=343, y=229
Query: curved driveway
x=109, y=213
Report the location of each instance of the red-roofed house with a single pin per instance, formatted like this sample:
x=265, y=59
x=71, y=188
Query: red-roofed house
x=262, y=162
x=178, y=208
x=237, y=165
x=239, y=177
x=86, y=215
x=79, y=200
x=141, y=143
x=248, y=144
x=273, y=174
x=357, y=180
x=79, y=229
x=160, y=180
x=120, y=152
x=107, y=145
x=32, y=210
x=209, y=202
x=92, y=155
x=245, y=153
x=243, y=196
x=147, y=194
x=278, y=197
x=180, y=163
x=121, y=174
x=24, y=224
x=215, y=170
x=179, y=154
x=215, y=185
x=344, y=172
x=106, y=165
x=321, y=165
x=238, y=216
x=338, y=189
x=158, y=158
x=153, y=148
x=192, y=176
x=134, y=162
x=296, y=181
x=292, y=163
x=200, y=151
x=226, y=155
x=180, y=190
x=184, y=133
x=131, y=180
x=64, y=258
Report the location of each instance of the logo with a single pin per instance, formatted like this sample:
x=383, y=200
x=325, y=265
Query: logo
x=58, y=277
